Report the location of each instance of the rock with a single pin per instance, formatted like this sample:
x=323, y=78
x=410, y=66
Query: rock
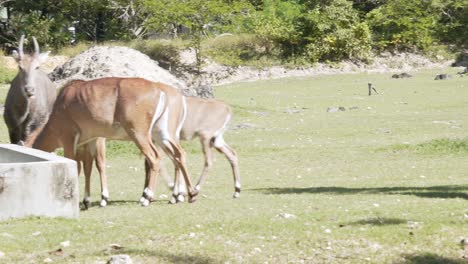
x=443, y=76
x=2, y=254
x=104, y=61
x=464, y=244
x=402, y=75
x=286, y=216
x=335, y=109
x=243, y=126
x=65, y=244
x=205, y=91
x=465, y=71
x=120, y=259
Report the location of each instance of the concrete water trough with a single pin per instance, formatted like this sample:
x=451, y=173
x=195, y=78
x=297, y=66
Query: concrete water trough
x=36, y=183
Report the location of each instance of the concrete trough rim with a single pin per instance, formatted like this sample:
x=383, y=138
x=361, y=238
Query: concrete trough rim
x=47, y=157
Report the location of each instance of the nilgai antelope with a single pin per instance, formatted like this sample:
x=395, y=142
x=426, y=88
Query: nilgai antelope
x=206, y=119
x=118, y=108
x=31, y=95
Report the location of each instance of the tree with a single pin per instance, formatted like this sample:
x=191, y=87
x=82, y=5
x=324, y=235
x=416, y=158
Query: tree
x=201, y=17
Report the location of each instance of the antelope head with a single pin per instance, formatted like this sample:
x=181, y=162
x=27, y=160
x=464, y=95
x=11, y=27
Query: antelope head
x=29, y=66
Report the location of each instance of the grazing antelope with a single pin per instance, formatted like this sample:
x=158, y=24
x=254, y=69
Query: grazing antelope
x=31, y=95
x=206, y=119
x=118, y=108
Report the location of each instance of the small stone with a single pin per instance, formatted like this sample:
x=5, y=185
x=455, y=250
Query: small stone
x=192, y=234
x=48, y=260
x=2, y=254
x=36, y=233
x=443, y=76
x=286, y=216
x=328, y=231
x=162, y=196
x=65, y=244
x=335, y=109
x=115, y=246
x=120, y=259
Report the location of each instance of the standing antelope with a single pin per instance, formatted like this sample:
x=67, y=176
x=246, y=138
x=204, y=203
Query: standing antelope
x=31, y=95
x=118, y=108
x=206, y=119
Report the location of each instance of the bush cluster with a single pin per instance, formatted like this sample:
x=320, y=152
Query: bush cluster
x=300, y=31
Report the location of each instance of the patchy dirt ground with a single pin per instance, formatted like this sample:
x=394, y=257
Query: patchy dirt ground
x=102, y=61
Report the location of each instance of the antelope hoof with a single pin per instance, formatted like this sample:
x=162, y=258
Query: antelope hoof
x=103, y=201
x=180, y=198
x=144, y=202
x=86, y=203
x=173, y=199
x=193, y=196
x=236, y=193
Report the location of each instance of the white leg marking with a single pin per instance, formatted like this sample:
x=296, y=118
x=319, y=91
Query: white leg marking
x=148, y=193
x=105, y=193
x=103, y=203
x=219, y=141
x=180, y=198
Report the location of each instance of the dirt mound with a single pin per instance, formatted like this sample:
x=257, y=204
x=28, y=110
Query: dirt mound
x=103, y=61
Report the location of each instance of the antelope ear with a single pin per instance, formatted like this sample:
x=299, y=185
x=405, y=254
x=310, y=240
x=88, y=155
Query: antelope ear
x=43, y=57
x=15, y=55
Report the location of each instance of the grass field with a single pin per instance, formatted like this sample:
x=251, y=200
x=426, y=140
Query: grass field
x=385, y=181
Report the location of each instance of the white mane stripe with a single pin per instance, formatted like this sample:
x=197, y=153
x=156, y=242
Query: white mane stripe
x=184, y=116
x=158, y=112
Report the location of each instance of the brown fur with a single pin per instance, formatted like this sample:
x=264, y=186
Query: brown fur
x=113, y=108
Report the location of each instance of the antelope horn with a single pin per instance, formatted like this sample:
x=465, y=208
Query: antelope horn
x=36, y=46
x=20, y=47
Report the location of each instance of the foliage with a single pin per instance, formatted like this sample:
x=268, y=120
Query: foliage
x=335, y=32
x=199, y=16
x=300, y=31
x=279, y=24
x=453, y=21
x=235, y=50
x=164, y=52
x=6, y=75
x=404, y=24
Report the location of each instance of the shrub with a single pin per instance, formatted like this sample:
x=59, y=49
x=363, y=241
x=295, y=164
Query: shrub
x=234, y=50
x=404, y=24
x=6, y=75
x=165, y=52
x=72, y=51
x=335, y=32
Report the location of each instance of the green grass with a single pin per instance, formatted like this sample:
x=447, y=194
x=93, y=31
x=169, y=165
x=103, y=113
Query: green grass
x=443, y=146
x=357, y=195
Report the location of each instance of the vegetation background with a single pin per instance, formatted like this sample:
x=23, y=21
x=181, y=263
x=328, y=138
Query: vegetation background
x=269, y=31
